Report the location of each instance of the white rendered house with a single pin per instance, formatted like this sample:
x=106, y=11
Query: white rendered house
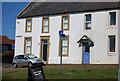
x=90, y=28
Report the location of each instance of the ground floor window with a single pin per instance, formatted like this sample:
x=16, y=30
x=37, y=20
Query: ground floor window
x=28, y=45
x=111, y=43
x=64, y=46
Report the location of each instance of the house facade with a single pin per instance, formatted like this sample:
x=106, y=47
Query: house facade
x=91, y=32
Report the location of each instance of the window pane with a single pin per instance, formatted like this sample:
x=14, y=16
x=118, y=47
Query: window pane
x=28, y=45
x=28, y=28
x=64, y=42
x=87, y=49
x=112, y=18
x=64, y=50
x=29, y=22
x=45, y=21
x=28, y=42
x=45, y=40
x=28, y=49
x=112, y=43
x=45, y=28
x=65, y=22
x=88, y=25
x=88, y=17
x=45, y=24
x=88, y=21
x=65, y=25
x=65, y=19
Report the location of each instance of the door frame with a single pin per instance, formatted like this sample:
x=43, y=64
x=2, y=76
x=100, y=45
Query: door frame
x=83, y=53
x=48, y=47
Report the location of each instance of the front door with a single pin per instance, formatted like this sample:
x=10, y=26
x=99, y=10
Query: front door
x=85, y=53
x=44, y=48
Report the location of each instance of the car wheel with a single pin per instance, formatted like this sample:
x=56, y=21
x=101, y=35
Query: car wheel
x=15, y=65
x=29, y=64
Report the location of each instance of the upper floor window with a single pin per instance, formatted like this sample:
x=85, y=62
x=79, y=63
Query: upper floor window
x=45, y=25
x=65, y=22
x=28, y=25
x=112, y=43
x=28, y=45
x=88, y=21
x=112, y=18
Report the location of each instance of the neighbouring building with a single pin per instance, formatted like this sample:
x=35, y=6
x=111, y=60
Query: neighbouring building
x=90, y=28
x=6, y=44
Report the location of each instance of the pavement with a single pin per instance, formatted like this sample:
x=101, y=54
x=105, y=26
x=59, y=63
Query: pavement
x=6, y=65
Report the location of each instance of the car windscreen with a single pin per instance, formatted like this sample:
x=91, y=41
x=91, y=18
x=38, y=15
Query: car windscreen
x=31, y=56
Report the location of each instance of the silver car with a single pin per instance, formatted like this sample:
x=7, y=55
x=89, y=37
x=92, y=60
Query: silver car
x=26, y=59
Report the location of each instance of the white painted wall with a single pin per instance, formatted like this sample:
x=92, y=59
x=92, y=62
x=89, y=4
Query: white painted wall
x=98, y=34
x=119, y=43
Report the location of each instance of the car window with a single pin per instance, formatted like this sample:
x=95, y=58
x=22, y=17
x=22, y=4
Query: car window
x=31, y=56
x=20, y=57
x=25, y=57
x=16, y=57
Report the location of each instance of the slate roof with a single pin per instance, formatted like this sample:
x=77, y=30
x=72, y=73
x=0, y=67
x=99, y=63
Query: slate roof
x=52, y=8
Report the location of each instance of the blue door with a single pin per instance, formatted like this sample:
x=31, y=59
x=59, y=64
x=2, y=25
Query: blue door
x=86, y=53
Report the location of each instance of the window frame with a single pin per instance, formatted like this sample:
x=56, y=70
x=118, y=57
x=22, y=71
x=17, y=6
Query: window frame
x=67, y=36
x=115, y=18
x=62, y=22
x=25, y=45
x=43, y=24
x=109, y=52
x=27, y=25
x=88, y=21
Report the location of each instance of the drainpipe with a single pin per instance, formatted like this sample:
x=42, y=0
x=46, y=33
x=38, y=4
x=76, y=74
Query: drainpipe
x=119, y=41
x=119, y=68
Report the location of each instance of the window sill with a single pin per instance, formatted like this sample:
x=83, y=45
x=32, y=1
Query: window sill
x=112, y=27
x=28, y=31
x=87, y=29
x=111, y=53
x=45, y=32
x=65, y=29
x=63, y=55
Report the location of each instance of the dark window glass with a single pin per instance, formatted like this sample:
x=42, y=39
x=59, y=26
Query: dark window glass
x=21, y=57
x=88, y=17
x=112, y=18
x=87, y=47
x=88, y=21
x=44, y=40
x=112, y=43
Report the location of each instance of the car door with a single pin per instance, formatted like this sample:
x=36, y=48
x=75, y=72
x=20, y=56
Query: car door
x=23, y=60
x=18, y=59
x=26, y=60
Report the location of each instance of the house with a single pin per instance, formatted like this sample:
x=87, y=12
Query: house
x=90, y=28
x=6, y=44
